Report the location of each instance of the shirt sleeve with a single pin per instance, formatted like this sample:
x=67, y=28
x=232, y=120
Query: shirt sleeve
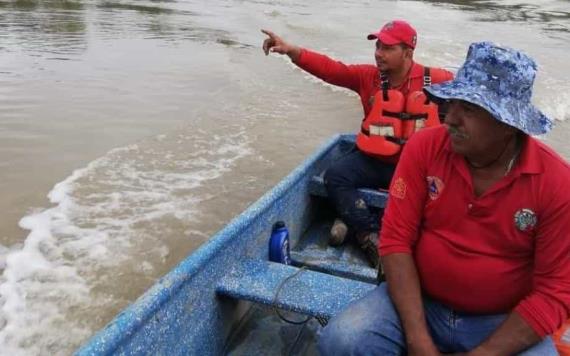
x=408, y=192
x=331, y=71
x=548, y=305
x=440, y=75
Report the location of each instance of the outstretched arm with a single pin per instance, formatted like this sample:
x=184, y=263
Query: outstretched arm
x=319, y=65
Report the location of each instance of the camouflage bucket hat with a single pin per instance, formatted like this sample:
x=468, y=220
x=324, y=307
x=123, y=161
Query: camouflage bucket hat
x=500, y=81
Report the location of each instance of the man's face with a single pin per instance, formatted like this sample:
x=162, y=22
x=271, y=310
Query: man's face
x=473, y=130
x=390, y=57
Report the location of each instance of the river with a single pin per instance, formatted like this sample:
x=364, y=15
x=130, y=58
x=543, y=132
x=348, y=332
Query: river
x=131, y=131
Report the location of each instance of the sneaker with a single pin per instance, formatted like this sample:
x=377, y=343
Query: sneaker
x=368, y=243
x=338, y=233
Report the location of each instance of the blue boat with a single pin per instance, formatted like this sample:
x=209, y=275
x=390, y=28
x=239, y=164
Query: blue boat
x=228, y=298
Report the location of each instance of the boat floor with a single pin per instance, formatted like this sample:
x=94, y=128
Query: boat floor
x=262, y=332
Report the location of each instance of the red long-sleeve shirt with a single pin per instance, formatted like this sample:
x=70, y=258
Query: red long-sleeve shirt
x=508, y=249
x=363, y=78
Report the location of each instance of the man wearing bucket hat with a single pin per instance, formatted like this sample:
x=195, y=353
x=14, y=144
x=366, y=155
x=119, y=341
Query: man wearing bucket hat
x=475, y=240
x=372, y=163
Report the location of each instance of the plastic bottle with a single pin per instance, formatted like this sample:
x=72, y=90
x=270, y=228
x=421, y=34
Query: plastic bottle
x=279, y=244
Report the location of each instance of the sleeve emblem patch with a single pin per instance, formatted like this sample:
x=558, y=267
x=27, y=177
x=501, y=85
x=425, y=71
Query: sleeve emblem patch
x=398, y=189
x=435, y=187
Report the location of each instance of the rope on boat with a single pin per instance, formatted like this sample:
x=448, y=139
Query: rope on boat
x=322, y=320
x=294, y=322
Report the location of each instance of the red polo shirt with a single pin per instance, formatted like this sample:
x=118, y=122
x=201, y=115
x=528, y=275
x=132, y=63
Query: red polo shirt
x=508, y=249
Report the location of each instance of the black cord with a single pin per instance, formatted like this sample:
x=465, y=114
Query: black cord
x=294, y=322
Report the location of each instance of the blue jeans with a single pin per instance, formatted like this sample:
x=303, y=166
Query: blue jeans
x=343, y=178
x=371, y=326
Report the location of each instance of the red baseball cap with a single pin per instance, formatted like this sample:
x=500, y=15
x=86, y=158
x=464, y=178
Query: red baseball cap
x=395, y=32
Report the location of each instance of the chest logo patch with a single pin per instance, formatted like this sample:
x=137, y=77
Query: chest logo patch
x=525, y=219
x=398, y=189
x=435, y=187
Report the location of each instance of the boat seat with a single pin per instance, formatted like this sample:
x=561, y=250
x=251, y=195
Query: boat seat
x=319, y=260
x=308, y=292
x=372, y=197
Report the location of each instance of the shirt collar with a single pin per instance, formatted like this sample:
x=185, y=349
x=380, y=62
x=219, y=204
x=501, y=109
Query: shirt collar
x=529, y=159
x=416, y=71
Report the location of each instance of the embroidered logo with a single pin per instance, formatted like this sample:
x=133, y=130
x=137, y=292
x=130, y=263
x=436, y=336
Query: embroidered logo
x=435, y=187
x=525, y=219
x=398, y=189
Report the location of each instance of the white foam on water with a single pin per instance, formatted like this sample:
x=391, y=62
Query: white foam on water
x=554, y=101
x=311, y=78
x=113, y=216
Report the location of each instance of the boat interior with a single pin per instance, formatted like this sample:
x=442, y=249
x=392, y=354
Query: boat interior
x=291, y=304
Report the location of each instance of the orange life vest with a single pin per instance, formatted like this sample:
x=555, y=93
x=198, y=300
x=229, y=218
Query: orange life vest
x=394, y=118
x=562, y=339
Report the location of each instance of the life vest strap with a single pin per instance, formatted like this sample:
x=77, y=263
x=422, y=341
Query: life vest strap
x=399, y=141
x=427, y=81
x=404, y=115
x=427, y=77
x=384, y=85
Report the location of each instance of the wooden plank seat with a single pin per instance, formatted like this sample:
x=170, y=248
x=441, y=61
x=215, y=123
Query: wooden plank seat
x=375, y=198
x=308, y=292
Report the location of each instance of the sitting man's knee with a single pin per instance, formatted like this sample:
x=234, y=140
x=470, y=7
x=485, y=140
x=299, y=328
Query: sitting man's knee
x=332, y=175
x=370, y=323
x=339, y=337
